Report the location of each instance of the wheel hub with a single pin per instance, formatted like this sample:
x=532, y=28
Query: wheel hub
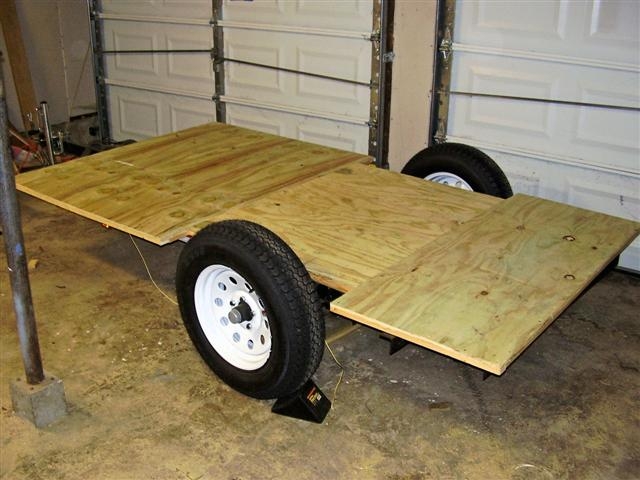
x=233, y=317
x=240, y=313
x=450, y=179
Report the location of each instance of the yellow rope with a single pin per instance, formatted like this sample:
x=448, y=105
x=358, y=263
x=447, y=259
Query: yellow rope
x=149, y=273
x=335, y=390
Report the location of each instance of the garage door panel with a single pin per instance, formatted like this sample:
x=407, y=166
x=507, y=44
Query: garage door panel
x=564, y=132
x=254, y=81
x=596, y=29
x=136, y=116
x=123, y=37
x=187, y=113
x=256, y=119
x=605, y=192
x=351, y=62
x=348, y=137
x=528, y=18
x=353, y=15
x=523, y=183
x=581, y=133
x=197, y=68
x=182, y=71
x=241, y=76
x=494, y=119
x=507, y=77
x=530, y=78
x=338, y=57
x=331, y=11
x=595, y=136
x=306, y=53
x=266, y=11
x=580, y=186
x=330, y=133
x=344, y=137
x=612, y=23
x=160, y=8
x=139, y=114
x=327, y=95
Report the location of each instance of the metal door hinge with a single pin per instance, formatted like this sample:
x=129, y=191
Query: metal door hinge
x=446, y=46
x=388, y=57
x=441, y=133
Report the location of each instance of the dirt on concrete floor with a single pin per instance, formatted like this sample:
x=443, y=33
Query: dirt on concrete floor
x=144, y=406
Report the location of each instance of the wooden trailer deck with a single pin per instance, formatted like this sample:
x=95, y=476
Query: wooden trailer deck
x=470, y=276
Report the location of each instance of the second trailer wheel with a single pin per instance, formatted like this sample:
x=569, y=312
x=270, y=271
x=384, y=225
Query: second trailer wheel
x=460, y=166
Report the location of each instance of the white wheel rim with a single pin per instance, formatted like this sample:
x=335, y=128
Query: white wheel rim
x=245, y=345
x=450, y=179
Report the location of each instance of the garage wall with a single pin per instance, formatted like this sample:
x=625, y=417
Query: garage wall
x=57, y=43
x=583, y=52
x=13, y=107
x=413, y=45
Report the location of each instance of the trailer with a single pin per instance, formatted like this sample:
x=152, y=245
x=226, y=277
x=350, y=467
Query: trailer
x=267, y=219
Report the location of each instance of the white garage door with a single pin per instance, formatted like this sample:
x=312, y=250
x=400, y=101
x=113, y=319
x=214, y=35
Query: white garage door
x=583, y=146
x=266, y=42
x=152, y=94
x=329, y=38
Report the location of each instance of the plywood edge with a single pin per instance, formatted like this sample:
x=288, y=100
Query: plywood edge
x=98, y=218
x=495, y=368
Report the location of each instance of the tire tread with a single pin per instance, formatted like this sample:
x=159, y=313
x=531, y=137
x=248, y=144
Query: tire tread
x=464, y=161
x=290, y=279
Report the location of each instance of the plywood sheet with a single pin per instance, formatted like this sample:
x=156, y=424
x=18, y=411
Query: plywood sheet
x=354, y=222
x=484, y=291
x=157, y=189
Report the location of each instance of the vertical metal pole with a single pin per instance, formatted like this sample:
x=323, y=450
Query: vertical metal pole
x=381, y=62
x=445, y=16
x=44, y=111
x=384, y=94
x=94, y=9
x=374, y=96
x=16, y=255
x=218, y=62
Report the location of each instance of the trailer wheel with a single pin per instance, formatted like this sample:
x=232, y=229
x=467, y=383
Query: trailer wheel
x=250, y=308
x=460, y=166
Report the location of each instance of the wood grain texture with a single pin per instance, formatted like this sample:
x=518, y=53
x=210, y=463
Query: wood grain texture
x=484, y=291
x=157, y=189
x=353, y=223
x=471, y=276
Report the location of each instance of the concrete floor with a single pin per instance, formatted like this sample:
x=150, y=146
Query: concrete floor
x=143, y=405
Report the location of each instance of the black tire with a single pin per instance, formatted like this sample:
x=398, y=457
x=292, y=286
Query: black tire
x=477, y=169
x=284, y=288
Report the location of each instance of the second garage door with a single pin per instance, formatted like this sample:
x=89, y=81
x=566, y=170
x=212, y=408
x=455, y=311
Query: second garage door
x=551, y=91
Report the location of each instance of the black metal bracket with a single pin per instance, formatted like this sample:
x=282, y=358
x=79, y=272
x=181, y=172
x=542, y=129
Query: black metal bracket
x=395, y=344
